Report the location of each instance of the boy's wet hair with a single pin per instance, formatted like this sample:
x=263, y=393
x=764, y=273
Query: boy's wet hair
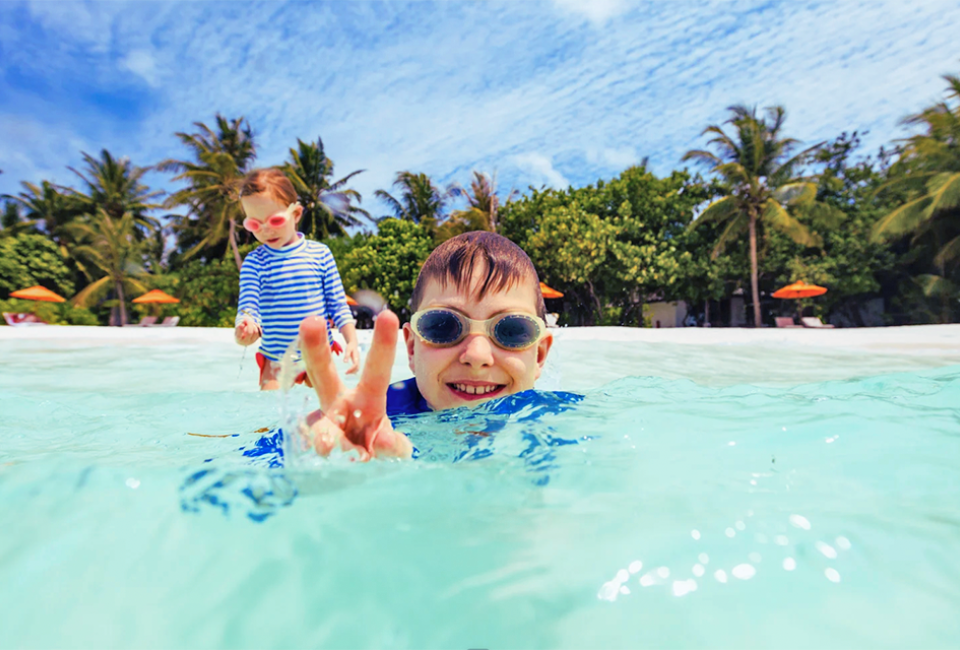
x=456, y=259
x=270, y=181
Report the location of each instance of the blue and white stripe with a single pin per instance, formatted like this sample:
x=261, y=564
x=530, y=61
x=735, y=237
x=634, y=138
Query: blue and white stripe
x=281, y=287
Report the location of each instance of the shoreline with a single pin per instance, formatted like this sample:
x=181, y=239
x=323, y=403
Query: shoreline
x=910, y=339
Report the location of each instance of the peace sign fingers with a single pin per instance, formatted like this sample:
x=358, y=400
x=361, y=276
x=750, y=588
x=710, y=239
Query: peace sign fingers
x=319, y=361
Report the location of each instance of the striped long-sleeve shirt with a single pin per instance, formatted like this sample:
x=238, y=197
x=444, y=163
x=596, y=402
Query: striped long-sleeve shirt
x=281, y=287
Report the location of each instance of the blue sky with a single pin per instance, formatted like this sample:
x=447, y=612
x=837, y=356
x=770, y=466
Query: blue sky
x=555, y=92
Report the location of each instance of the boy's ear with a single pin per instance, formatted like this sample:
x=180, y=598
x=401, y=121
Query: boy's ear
x=408, y=341
x=543, y=349
x=297, y=213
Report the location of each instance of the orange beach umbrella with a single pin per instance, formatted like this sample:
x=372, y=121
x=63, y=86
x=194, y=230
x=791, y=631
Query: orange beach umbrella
x=37, y=293
x=352, y=302
x=155, y=296
x=799, y=290
x=548, y=292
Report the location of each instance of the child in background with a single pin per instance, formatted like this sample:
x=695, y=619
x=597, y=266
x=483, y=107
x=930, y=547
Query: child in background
x=287, y=279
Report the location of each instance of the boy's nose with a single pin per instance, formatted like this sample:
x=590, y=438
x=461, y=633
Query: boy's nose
x=477, y=351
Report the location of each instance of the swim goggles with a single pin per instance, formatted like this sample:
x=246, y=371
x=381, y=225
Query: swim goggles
x=274, y=221
x=446, y=328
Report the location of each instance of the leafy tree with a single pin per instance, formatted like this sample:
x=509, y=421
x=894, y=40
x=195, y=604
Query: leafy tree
x=642, y=224
x=222, y=159
x=208, y=293
x=928, y=173
x=112, y=247
x=388, y=262
x=420, y=201
x=328, y=207
x=762, y=185
x=569, y=247
x=650, y=216
x=29, y=259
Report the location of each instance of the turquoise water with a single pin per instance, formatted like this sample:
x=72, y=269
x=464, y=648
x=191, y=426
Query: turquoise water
x=715, y=496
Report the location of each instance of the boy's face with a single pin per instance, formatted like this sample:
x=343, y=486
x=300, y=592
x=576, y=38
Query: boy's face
x=476, y=362
x=260, y=207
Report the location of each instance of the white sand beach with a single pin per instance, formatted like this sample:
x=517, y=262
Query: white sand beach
x=915, y=339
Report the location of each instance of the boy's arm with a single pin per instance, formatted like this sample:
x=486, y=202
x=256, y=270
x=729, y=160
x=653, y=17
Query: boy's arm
x=247, y=322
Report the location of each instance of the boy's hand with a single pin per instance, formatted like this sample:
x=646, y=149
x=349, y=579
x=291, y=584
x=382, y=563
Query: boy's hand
x=247, y=332
x=354, y=418
x=352, y=356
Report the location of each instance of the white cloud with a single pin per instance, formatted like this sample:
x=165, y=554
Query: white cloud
x=613, y=158
x=142, y=63
x=539, y=169
x=596, y=11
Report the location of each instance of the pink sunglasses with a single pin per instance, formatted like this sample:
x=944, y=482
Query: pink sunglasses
x=274, y=221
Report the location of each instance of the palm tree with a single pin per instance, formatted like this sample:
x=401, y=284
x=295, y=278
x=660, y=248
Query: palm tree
x=212, y=195
x=421, y=201
x=113, y=185
x=928, y=172
x=11, y=222
x=484, y=204
x=328, y=208
x=49, y=207
x=112, y=246
x=760, y=182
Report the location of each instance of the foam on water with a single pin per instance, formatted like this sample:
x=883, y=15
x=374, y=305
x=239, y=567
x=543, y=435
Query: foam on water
x=683, y=506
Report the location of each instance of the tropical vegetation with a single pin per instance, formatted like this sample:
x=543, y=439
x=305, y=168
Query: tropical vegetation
x=757, y=210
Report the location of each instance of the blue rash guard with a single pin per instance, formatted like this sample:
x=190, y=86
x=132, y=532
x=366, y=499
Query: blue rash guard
x=404, y=398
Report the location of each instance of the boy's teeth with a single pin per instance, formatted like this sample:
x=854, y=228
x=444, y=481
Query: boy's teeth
x=475, y=390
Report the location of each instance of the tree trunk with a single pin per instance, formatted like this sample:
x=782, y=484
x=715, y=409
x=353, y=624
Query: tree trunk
x=706, y=311
x=596, y=302
x=233, y=244
x=754, y=280
x=122, y=303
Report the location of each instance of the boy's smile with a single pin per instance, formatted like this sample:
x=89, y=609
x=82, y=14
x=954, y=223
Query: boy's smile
x=476, y=369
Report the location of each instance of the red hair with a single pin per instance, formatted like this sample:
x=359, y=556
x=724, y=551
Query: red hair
x=270, y=181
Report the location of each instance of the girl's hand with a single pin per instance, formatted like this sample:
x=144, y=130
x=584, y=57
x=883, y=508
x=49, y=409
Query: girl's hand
x=352, y=356
x=247, y=332
x=354, y=419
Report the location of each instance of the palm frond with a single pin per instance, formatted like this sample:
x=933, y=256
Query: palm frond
x=92, y=290
x=906, y=218
x=735, y=229
x=949, y=252
x=776, y=216
x=718, y=211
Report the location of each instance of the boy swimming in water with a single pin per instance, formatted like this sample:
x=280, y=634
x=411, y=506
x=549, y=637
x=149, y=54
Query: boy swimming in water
x=477, y=333
x=286, y=279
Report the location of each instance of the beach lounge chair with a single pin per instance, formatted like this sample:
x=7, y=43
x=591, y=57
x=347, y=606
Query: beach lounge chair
x=22, y=320
x=814, y=323
x=146, y=321
x=552, y=318
x=169, y=321
x=786, y=321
